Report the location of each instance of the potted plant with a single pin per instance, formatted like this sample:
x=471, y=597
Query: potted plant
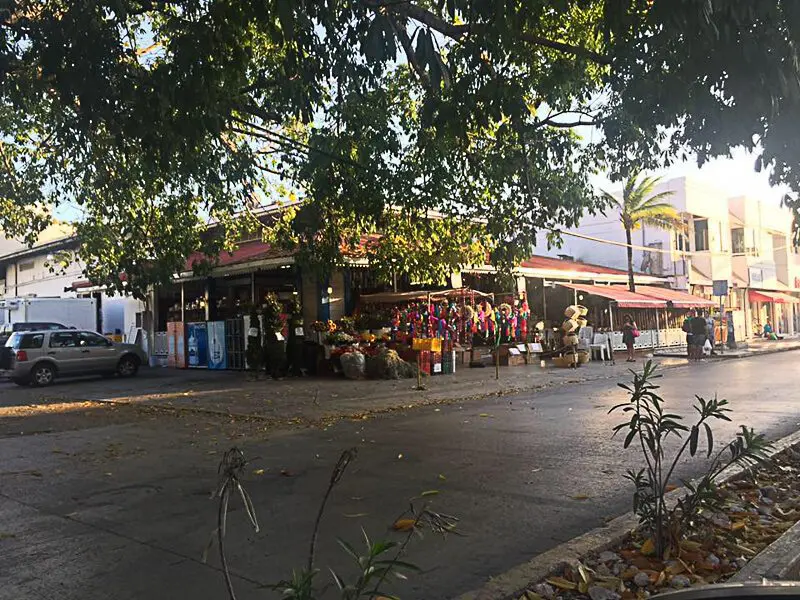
x=255, y=352
x=274, y=347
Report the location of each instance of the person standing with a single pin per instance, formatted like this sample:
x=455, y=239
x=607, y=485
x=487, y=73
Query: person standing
x=710, y=331
x=629, y=334
x=687, y=329
x=698, y=335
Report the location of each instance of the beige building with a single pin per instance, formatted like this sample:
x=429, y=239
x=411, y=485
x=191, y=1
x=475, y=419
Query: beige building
x=743, y=241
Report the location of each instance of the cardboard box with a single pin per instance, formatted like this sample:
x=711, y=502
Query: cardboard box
x=482, y=354
x=424, y=361
x=430, y=344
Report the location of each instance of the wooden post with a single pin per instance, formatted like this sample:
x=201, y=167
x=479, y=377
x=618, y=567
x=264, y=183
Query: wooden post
x=183, y=303
x=611, y=333
x=419, y=370
x=497, y=358
x=658, y=331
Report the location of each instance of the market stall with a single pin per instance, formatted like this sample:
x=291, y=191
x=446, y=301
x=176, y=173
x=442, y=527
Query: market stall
x=467, y=326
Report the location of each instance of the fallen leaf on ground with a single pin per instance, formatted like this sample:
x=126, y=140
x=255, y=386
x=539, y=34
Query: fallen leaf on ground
x=581, y=497
x=258, y=472
x=671, y=487
x=356, y=515
x=442, y=477
x=690, y=545
x=429, y=493
x=562, y=583
x=403, y=524
x=648, y=547
x=661, y=579
x=676, y=568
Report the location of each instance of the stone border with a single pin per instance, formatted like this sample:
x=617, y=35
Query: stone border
x=515, y=581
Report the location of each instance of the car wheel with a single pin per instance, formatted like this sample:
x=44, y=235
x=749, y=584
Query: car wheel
x=43, y=375
x=128, y=366
x=20, y=380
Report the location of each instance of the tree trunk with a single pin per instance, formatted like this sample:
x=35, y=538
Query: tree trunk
x=631, y=284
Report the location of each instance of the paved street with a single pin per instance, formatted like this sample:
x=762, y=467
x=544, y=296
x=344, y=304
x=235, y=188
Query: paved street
x=112, y=501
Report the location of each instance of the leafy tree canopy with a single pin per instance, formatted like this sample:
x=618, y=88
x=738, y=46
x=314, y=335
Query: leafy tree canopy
x=154, y=116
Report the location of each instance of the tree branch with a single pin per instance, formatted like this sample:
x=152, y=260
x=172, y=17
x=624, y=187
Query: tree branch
x=458, y=32
x=405, y=42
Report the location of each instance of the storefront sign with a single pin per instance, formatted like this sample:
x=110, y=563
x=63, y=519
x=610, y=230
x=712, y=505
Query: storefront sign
x=720, y=287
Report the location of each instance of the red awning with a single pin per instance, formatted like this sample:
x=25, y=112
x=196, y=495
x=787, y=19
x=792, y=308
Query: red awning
x=620, y=295
x=776, y=297
x=678, y=298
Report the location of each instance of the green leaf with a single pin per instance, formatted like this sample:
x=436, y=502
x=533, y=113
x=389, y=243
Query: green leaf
x=629, y=438
x=339, y=581
x=710, y=439
x=285, y=10
x=693, y=438
x=349, y=549
x=421, y=54
x=374, y=46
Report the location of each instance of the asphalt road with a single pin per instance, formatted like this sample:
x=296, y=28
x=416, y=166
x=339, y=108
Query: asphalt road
x=122, y=510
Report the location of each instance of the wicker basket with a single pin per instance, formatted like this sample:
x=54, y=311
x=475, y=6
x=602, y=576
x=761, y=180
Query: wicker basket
x=576, y=310
x=565, y=361
x=569, y=326
x=583, y=357
x=571, y=340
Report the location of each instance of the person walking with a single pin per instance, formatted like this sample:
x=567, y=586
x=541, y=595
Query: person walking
x=629, y=334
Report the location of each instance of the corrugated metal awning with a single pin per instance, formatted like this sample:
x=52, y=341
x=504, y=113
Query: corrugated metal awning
x=623, y=297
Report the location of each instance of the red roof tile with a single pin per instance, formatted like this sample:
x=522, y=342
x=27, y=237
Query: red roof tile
x=619, y=294
x=678, y=298
x=560, y=264
x=244, y=253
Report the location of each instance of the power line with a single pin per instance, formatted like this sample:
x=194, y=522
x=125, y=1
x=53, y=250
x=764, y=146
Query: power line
x=658, y=250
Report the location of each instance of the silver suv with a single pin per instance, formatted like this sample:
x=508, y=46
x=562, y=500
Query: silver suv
x=38, y=357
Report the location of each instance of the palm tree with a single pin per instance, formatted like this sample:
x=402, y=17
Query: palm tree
x=640, y=206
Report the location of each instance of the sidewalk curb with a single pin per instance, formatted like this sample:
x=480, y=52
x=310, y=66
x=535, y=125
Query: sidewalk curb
x=515, y=581
x=404, y=401
x=721, y=357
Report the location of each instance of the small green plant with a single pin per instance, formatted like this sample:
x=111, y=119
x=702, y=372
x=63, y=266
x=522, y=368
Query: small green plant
x=272, y=309
x=648, y=428
x=374, y=566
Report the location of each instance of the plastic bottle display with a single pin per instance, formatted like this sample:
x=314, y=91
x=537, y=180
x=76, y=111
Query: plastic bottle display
x=194, y=359
x=216, y=350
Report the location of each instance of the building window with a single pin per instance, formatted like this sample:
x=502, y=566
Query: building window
x=681, y=242
x=26, y=266
x=737, y=240
x=701, y=235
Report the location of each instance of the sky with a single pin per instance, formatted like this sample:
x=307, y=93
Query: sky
x=735, y=175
